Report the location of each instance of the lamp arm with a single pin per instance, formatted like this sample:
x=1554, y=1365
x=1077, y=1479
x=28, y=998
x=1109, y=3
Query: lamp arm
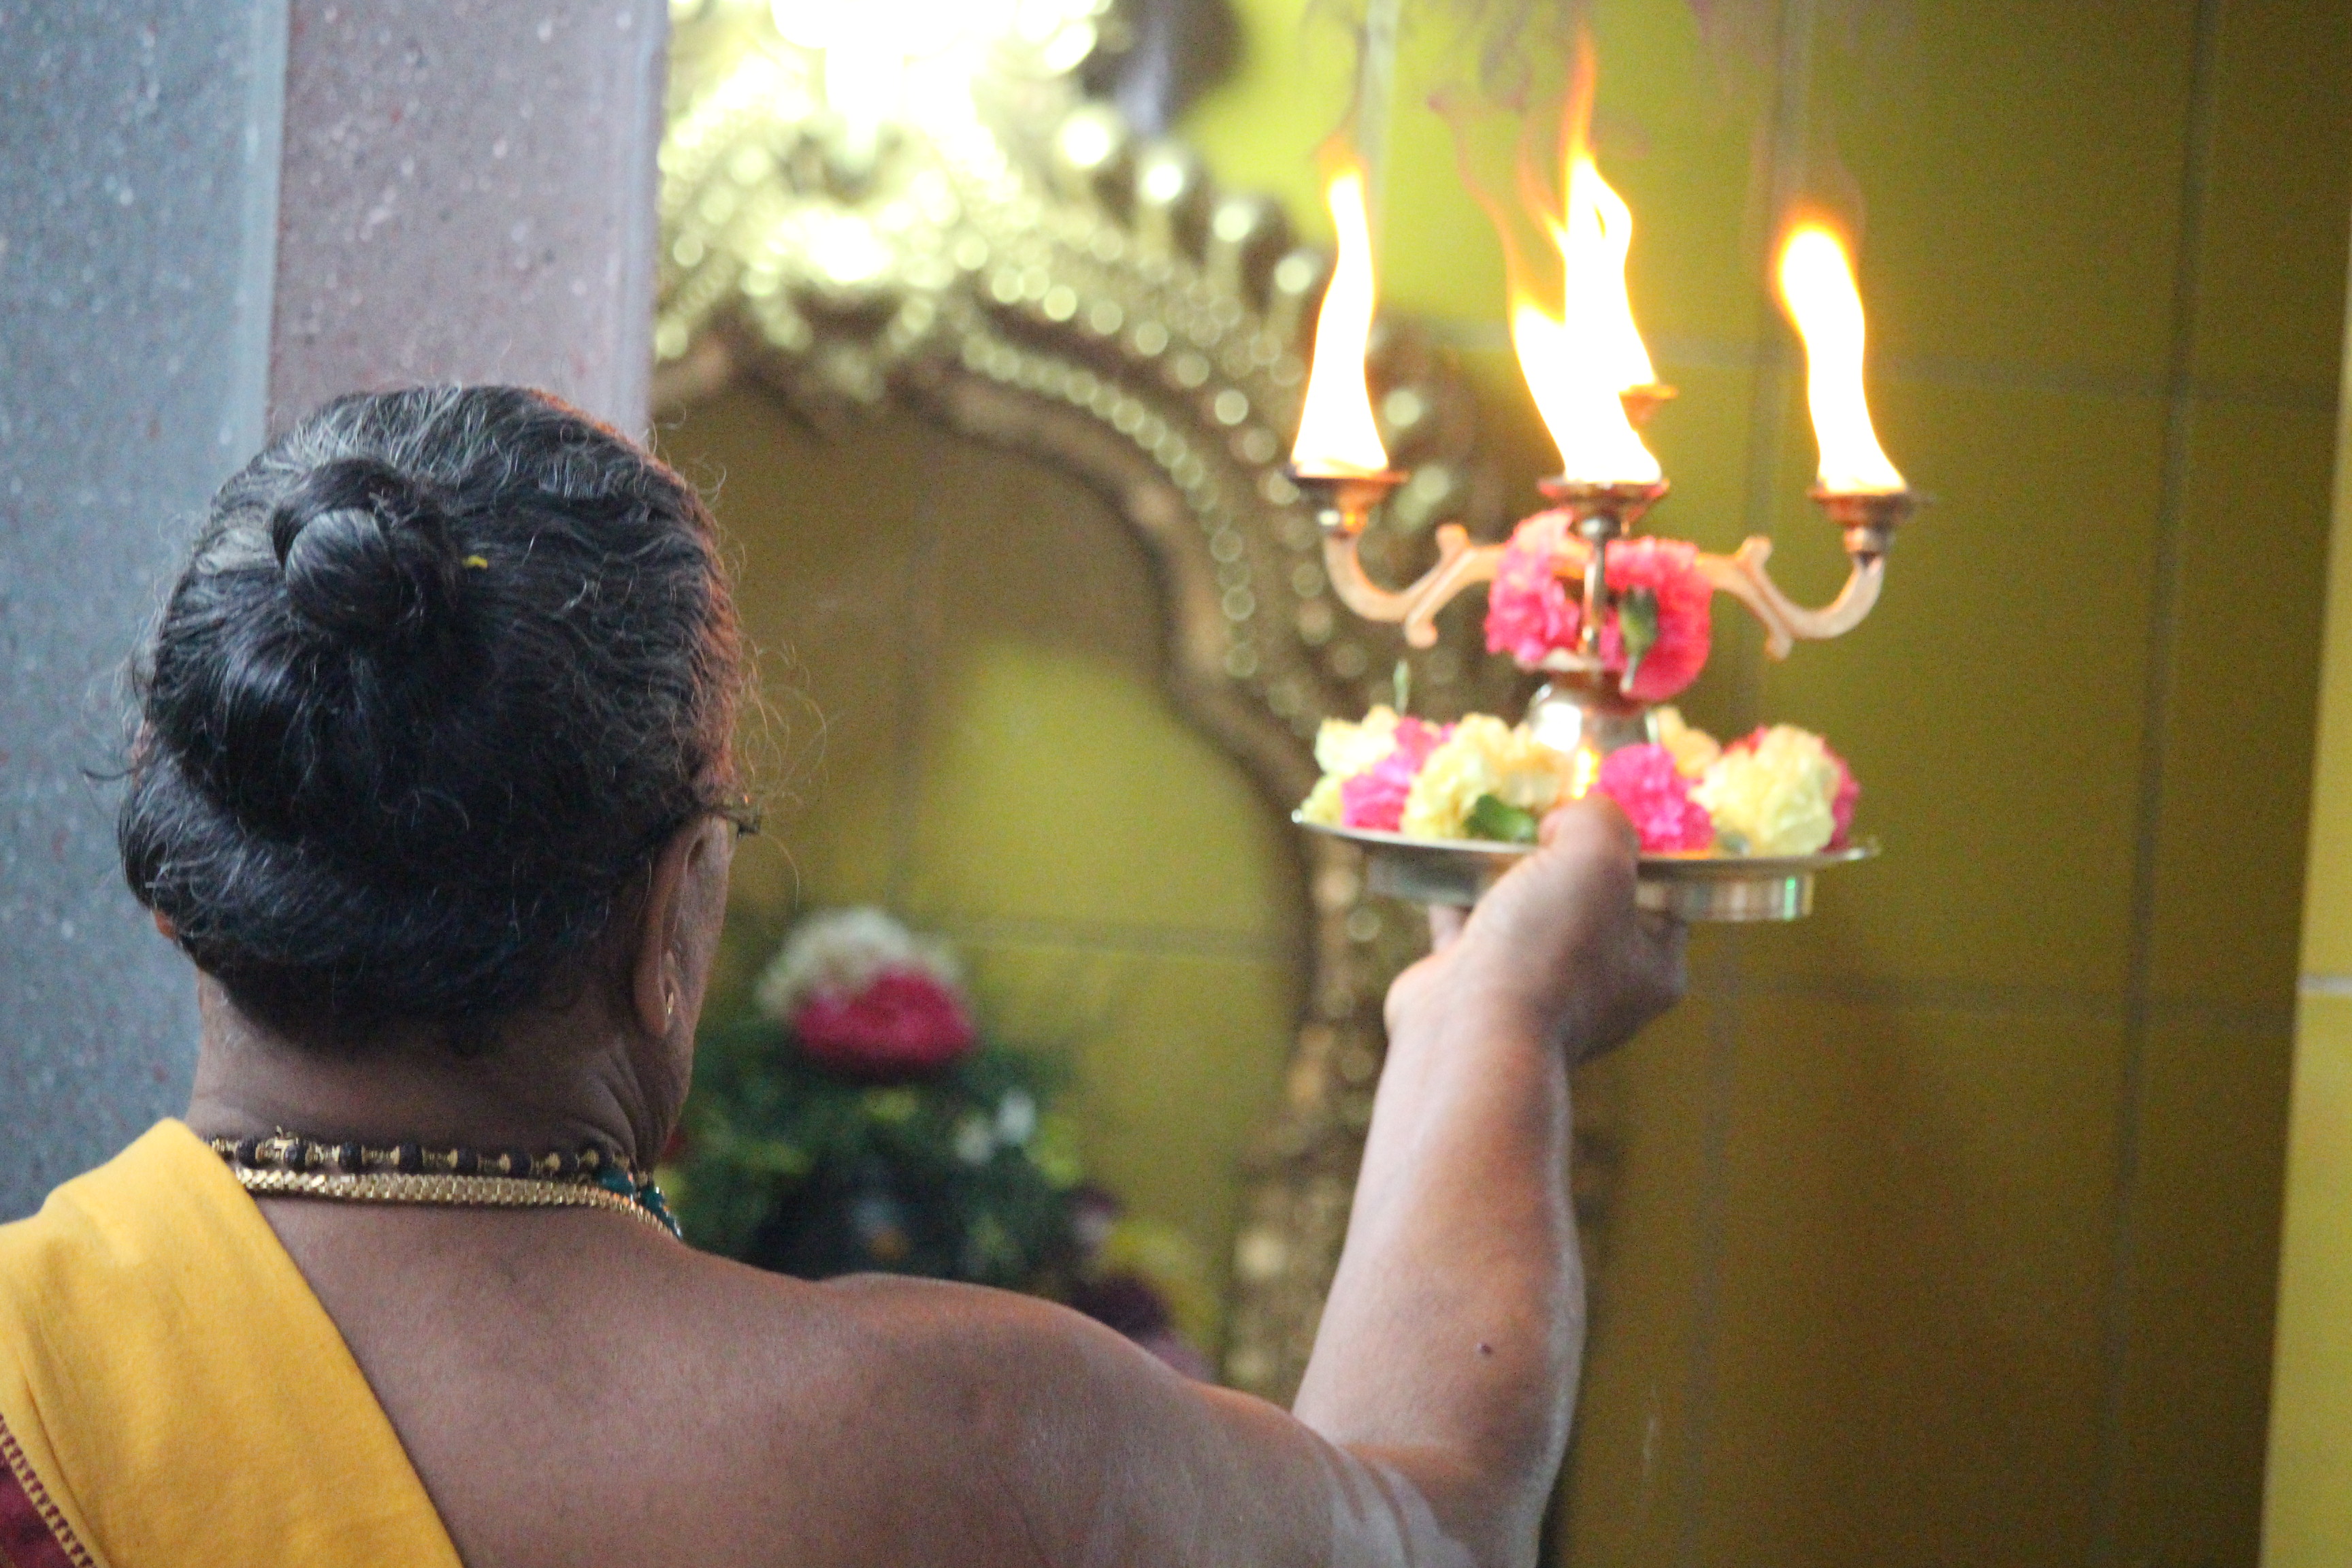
x=1460, y=564
x=1742, y=576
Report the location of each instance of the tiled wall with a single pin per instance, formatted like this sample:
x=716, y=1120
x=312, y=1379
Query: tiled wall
x=2308, y=1507
x=1945, y=1227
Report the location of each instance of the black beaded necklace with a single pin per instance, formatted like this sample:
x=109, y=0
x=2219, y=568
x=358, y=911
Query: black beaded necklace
x=287, y=1164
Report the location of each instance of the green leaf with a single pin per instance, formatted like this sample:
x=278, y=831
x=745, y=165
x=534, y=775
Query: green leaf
x=1637, y=624
x=1492, y=819
x=774, y=1157
x=893, y=1107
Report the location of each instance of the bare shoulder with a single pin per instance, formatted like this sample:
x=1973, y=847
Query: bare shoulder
x=912, y=1357
x=878, y=1334
x=979, y=1426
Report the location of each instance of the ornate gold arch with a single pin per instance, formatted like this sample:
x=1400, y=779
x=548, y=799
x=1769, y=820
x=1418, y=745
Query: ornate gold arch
x=1022, y=267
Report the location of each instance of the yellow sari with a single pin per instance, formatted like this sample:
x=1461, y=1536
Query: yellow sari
x=171, y=1391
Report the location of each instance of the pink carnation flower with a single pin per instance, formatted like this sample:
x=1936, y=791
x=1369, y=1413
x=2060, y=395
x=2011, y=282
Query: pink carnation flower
x=1375, y=797
x=1653, y=792
x=1527, y=610
x=905, y=1022
x=1842, y=806
x=1530, y=613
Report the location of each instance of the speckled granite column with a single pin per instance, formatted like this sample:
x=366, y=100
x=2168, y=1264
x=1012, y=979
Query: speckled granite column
x=138, y=179
x=465, y=192
x=468, y=193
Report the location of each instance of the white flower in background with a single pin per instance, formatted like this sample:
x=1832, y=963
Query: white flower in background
x=1016, y=1118
x=975, y=1142
x=1773, y=794
x=1694, y=749
x=840, y=952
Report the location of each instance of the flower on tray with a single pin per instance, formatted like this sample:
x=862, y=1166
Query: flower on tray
x=1694, y=749
x=1649, y=784
x=1659, y=628
x=1482, y=759
x=1779, y=791
x=1478, y=779
x=1376, y=797
x=1349, y=748
x=1369, y=769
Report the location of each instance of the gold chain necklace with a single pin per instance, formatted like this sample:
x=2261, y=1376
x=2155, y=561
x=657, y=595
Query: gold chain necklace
x=285, y=1165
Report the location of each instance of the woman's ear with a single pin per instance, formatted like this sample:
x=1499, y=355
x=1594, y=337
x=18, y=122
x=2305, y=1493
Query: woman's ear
x=677, y=929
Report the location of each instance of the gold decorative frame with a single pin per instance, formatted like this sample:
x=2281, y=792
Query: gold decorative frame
x=1022, y=267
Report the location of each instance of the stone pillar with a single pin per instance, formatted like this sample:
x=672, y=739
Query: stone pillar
x=468, y=196
x=214, y=215
x=138, y=198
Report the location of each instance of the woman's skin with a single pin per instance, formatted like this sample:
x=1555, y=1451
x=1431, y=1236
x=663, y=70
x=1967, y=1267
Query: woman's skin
x=574, y=1387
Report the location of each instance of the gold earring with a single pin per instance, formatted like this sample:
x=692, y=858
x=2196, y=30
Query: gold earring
x=669, y=1005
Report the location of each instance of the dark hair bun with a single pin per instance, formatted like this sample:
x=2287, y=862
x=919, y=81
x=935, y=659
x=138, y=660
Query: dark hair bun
x=447, y=667
x=367, y=553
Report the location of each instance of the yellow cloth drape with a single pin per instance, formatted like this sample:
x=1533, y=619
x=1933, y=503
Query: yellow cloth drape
x=175, y=1393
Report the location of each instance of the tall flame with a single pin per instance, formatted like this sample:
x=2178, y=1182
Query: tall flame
x=1624, y=359
x=1578, y=361
x=1336, y=433
x=1817, y=289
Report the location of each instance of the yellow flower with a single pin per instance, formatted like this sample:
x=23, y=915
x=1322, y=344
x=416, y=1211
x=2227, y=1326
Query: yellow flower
x=1694, y=749
x=1774, y=796
x=1343, y=749
x=1483, y=756
x=1324, y=805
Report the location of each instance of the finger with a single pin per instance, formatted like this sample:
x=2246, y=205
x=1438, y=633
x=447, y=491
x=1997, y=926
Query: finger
x=1445, y=924
x=1596, y=807
x=1619, y=822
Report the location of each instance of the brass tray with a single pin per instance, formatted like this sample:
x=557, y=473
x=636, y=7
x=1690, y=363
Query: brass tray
x=1721, y=887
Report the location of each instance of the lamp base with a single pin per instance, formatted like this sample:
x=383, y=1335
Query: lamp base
x=1581, y=711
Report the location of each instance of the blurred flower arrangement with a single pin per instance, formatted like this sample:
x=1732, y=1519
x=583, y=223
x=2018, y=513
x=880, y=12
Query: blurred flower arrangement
x=1778, y=791
x=855, y=1119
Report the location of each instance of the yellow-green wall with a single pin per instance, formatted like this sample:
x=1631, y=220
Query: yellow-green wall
x=2307, y=1516
x=961, y=654
x=1945, y=1227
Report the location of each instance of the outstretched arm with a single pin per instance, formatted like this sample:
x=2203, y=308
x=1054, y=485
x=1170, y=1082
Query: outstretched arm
x=1451, y=1343
x=1436, y=1405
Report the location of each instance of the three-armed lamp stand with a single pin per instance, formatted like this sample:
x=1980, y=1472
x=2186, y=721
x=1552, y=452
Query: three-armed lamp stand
x=1587, y=708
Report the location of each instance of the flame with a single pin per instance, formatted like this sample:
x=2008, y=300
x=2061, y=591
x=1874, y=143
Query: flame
x=1577, y=362
x=1817, y=289
x=1336, y=433
x=1624, y=359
